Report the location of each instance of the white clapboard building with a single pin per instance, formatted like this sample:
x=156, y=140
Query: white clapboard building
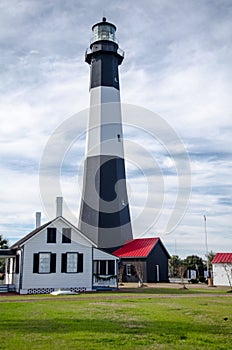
x=57, y=256
x=222, y=269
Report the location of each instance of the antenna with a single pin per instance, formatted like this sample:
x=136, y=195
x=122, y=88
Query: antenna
x=206, y=247
x=103, y=16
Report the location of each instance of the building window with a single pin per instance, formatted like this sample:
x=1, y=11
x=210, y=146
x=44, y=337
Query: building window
x=128, y=269
x=104, y=267
x=66, y=235
x=111, y=267
x=44, y=263
x=72, y=263
x=51, y=235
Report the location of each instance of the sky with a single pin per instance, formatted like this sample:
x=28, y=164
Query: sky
x=176, y=71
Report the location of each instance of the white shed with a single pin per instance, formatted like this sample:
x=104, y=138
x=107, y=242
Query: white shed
x=222, y=269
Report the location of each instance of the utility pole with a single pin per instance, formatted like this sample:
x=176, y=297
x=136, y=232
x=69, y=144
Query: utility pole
x=206, y=248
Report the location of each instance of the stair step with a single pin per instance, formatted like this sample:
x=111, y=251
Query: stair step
x=3, y=288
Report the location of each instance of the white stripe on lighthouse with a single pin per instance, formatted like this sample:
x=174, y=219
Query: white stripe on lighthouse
x=105, y=135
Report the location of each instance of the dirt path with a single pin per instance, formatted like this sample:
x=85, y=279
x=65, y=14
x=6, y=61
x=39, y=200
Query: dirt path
x=102, y=297
x=127, y=291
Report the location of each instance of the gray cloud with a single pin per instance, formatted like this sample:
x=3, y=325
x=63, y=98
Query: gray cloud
x=177, y=63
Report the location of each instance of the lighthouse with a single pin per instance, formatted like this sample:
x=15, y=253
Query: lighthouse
x=104, y=211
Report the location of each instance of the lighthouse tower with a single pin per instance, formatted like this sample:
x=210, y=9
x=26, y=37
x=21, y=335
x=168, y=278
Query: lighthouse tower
x=104, y=212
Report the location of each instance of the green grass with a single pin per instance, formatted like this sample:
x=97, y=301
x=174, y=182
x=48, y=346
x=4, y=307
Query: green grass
x=117, y=321
x=175, y=291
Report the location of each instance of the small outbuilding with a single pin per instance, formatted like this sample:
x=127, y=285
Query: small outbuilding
x=144, y=260
x=222, y=269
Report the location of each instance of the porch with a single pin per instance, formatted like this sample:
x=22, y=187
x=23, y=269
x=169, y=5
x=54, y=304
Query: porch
x=5, y=288
x=8, y=256
x=105, y=282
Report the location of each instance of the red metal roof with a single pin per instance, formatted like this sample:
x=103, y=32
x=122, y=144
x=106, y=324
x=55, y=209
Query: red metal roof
x=222, y=258
x=137, y=248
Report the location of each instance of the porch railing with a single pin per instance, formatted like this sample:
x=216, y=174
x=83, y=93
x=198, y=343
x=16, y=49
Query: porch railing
x=100, y=280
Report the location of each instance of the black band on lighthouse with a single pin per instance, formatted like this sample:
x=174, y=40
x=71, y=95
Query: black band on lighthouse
x=104, y=71
x=110, y=170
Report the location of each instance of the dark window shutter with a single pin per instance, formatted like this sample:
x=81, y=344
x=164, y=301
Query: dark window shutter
x=80, y=263
x=17, y=264
x=64, y=262
x=53, y=263
x=111, y=267
x=36, y=263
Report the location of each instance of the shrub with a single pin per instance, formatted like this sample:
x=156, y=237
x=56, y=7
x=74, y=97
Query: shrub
x=194, y=280
x=202, y=279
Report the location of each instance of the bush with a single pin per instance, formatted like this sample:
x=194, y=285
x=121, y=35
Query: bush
x=194, y=281
x=202, y=279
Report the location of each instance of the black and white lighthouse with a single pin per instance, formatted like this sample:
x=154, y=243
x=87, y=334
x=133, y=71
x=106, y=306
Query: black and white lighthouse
x=104, y=212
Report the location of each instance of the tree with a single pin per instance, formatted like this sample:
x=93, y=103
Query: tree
x=3, y=245
x=139, y=269
x=181, y=271
x=194, y=262
x=228, y=271
x=121, y=268
x=210, y=257
x=174, y=264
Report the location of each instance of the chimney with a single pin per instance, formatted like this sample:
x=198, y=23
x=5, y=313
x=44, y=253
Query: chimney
x=37, y=219
x=59, y=204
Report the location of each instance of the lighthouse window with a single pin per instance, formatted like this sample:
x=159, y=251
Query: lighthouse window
x=104, y=32
x=119, y=137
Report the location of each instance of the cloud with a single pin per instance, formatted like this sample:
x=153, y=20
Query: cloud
x=177, y=64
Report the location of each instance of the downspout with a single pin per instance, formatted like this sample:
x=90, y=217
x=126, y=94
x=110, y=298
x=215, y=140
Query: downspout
x=117, y=263
x=21, y=269
x=92, y=269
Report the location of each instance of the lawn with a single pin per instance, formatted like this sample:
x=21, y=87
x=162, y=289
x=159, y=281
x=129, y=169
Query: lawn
x=117, y=321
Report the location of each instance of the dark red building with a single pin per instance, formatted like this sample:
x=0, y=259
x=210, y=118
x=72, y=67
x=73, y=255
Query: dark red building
x=144, y=259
